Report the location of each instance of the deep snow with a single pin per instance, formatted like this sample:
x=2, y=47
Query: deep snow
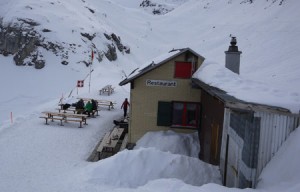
x=37, y=157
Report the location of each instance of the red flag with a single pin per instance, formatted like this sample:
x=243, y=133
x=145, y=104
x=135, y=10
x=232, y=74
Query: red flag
x=80, y=83
x=92, y=55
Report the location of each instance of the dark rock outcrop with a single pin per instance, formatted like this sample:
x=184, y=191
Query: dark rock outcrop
x=117, y=41
x=21, y=40
x=88, y=36
x=156, y=9
x=111, y=53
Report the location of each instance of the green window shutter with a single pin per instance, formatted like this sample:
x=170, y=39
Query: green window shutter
x=164, y=113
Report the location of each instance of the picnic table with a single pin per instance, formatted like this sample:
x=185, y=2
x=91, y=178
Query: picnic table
x=107, y=89
x=70, y=109
x=108, y=145
x=74, y=110
x=109, y=104
x=64, y=117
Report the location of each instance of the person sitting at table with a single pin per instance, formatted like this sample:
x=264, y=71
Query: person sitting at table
x=88, y=108
x=95, y=106
x=66, y=106
x=79, y=106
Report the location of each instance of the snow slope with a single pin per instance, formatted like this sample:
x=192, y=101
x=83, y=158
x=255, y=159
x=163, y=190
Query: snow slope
x=36, y=157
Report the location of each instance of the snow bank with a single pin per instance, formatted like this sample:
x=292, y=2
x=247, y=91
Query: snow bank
x=169, y=141
x=137, y=167
x=284, y=168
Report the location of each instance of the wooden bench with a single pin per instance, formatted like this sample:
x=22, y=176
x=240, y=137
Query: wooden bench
x=66, y=117
x=81, y=118
x=66, y=110
x=104, y=140
x=108, y=145
x=76, y=120
x=52, y=119
x=75, y=111
x=114, y=137
x=124, y=142
x=106, y=89
x=109, y=104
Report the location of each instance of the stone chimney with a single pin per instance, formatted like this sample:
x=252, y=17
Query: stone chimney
x=233, y=57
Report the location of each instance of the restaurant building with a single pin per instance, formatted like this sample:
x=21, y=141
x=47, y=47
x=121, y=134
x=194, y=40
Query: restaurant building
x=239, y=136
x=162, y=97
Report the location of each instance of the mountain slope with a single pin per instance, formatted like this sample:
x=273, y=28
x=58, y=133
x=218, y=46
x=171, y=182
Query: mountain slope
x=267, y=34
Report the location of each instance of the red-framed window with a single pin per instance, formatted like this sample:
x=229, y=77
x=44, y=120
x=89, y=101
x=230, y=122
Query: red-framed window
x=178, y=114
x=185, y=114
x=183, y=70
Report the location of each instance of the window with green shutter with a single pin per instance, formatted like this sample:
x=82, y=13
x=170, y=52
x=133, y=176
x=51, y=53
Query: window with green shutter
x=164, y=113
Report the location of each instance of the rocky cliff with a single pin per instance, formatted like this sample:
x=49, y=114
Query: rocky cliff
x=25, y=43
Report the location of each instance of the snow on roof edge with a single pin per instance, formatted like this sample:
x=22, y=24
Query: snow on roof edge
x=248, y=90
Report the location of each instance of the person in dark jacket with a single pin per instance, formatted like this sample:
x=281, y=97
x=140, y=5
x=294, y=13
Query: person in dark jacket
x=94, y=106
x=125, y=106
x=66, y=106
x=79, y=106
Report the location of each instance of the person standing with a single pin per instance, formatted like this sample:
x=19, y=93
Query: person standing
x=125, y=106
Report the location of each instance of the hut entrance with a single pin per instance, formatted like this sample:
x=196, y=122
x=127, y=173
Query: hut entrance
x=214, y=150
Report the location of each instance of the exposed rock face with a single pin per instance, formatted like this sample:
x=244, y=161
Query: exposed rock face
x=88, y=36
x=23, y=42
x=111, y=52
x=116, y=40
x=156, y=9
x=12, y=36
x=274, y=1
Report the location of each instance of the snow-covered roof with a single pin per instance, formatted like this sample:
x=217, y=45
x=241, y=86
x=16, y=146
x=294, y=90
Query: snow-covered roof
x=156, y=62
x=231, y=86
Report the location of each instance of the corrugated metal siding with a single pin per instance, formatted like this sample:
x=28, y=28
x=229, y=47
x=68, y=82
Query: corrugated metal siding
x=272, y=129
x=223, y=161
x=275, y=129
x=246, y=128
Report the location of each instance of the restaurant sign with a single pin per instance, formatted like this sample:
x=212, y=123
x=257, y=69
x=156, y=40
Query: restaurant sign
x=161, y=83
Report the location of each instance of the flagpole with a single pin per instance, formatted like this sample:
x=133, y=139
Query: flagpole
x=92, y=57
x=90, y=78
